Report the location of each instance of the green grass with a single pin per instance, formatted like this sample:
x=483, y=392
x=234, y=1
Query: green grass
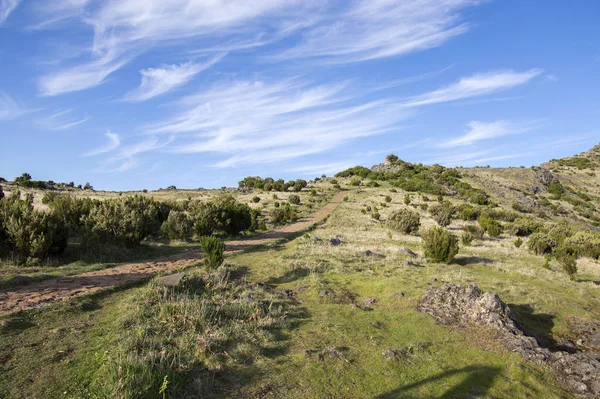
x=327, y=345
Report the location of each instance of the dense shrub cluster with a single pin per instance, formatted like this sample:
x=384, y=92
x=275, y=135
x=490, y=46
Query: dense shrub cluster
x=523, y=227
x=404, y=220
x=270, y=184
x=29, y=235
x=491, y=226
x=439, y=245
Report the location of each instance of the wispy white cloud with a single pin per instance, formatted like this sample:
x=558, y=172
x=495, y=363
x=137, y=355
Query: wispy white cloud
x=474, y=86
x=158, y=81
x=6, y=8
x=114, y=141
x=478, y=131
x=124, y=29
x=69, y=125
x=9, y=108
x=338, y=32
x=80, y=77
x=371, y=29
x=258, y=122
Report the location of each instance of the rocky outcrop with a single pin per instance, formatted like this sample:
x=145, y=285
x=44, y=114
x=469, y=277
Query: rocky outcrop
x=454, y=304
x=545, y=177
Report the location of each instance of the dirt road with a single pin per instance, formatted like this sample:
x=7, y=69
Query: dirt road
x=65, y=288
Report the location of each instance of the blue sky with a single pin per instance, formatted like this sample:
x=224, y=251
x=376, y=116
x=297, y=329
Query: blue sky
x=132, y=94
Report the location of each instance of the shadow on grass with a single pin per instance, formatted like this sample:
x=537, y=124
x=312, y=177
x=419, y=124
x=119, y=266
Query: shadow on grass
x=538, y=326
x=471, y=260
x=478, y=381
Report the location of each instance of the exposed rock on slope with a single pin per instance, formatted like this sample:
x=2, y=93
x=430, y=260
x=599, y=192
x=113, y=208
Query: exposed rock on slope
x=455, y=304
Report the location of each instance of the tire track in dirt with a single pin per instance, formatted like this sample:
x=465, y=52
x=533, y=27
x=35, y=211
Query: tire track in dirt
x=65, y=288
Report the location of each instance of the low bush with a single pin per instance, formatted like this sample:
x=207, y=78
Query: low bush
x=476, y=231
x=518, y=242
x=439, y=245
x=491, y=226
x=388, y=198
x=404, y=220
x=523, y=227
x=214, y=251
x=294, y=199
x=178, y=226
x=541, y=244
x=442, y=213
x=466, y=239
x=256, y=199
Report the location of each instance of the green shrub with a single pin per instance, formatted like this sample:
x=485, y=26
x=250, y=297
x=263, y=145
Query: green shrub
x=523, y=227
x=294, y=199
x=439, y=245
x=333, y=181
x=406, y=199
x=468, y=212
x=127, y=220
x=541, y=244
x=567, y=260
x=346, y=198
x=584, y=243
x=388, y=198
x=375, y=215
x=214, y=251
x=518, y=242
x=178, y=226
x=466, y=239
x=355, y=181
x=28, y=234
x=476, y=231
x=491, y=226
x=404, y=220
x=442, y=214
x=256, y=199
x=556, y=189
x=284, y=214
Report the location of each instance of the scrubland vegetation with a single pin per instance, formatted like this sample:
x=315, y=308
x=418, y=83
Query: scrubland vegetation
x=330, y=313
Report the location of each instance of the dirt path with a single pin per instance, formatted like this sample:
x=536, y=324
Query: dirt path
x=65, y=288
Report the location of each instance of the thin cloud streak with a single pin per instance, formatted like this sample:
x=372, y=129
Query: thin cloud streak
x=158, y=81
x=114, y=141
x=478, y=131
x=6, y=8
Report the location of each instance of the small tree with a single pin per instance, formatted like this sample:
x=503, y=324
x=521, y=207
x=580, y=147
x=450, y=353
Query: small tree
x=439, y=245
x=214, y=251
x=404, y=220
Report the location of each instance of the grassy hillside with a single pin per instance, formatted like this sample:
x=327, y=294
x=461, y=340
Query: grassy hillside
x=302, y=318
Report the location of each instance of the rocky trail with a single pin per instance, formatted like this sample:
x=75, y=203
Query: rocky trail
x=65, y=288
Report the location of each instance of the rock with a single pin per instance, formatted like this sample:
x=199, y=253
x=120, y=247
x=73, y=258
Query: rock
x=334, y=241
x=21, y=280
x=323, y=293
x=409, y=263
x=545, y=177
x=594, y=340
x=407, y=251
x=454, y=304
x=315, y=239
x=398, y=295
x=173, y=279
x=389, y=354
x=367, y=253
